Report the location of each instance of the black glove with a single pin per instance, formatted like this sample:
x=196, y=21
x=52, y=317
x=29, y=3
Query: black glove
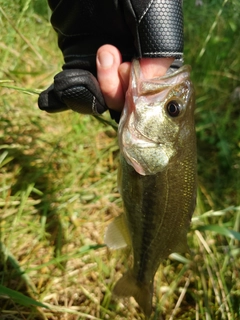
x=138, y=28
x=74, y=89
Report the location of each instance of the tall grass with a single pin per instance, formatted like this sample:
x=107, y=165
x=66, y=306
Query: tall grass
x=58, y=188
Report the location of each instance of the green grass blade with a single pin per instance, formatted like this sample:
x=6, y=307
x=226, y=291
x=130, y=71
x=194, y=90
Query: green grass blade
x=107, y=122
x=221, y=230
x=20, y=298
x=21, y=89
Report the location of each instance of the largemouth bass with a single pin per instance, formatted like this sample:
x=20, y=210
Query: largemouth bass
x=157, y=176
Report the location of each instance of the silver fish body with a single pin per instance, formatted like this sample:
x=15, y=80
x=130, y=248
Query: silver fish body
x=157, y=178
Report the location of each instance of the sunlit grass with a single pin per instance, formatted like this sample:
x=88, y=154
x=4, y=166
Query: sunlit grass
x=58, y=183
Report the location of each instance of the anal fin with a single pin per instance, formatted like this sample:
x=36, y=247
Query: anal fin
x=182, y=246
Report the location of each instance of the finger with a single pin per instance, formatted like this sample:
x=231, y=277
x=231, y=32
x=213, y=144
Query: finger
x=48, y=101
x=155, y=67
x=124, y=74
x=108, y=62
x=151, y=67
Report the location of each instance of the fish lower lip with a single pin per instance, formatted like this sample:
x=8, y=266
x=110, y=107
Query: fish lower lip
x=142, y=141
x=148, y=144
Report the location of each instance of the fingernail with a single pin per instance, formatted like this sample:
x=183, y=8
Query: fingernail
x=105, y=59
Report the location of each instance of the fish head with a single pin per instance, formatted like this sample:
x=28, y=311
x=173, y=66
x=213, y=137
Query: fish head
x=157, y=119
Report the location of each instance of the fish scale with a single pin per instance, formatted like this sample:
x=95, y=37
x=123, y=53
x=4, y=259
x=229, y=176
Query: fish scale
x=157, y=177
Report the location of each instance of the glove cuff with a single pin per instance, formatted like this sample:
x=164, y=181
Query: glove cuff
x=157, y=26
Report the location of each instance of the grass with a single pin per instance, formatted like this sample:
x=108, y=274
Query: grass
x=58, y=189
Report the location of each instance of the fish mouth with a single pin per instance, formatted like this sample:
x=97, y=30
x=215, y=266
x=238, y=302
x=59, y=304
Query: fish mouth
x=147, y=157
x=134, y=138
x=172, y=77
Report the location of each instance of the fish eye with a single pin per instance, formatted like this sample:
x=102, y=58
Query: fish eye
x=173, y=108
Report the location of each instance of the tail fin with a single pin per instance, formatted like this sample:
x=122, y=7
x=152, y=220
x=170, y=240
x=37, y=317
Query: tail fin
x=127, y=286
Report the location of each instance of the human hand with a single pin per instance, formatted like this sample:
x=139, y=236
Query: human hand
x=138, y=28
x=113, y=75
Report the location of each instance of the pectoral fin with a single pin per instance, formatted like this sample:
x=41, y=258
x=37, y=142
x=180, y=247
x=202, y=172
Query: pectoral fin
x=117, y=234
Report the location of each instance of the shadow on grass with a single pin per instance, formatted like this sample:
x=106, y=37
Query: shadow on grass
x=25, y=168
x=32, y=173
x=12, y=276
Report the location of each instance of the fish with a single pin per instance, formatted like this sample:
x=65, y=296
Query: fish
x=157, y=177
